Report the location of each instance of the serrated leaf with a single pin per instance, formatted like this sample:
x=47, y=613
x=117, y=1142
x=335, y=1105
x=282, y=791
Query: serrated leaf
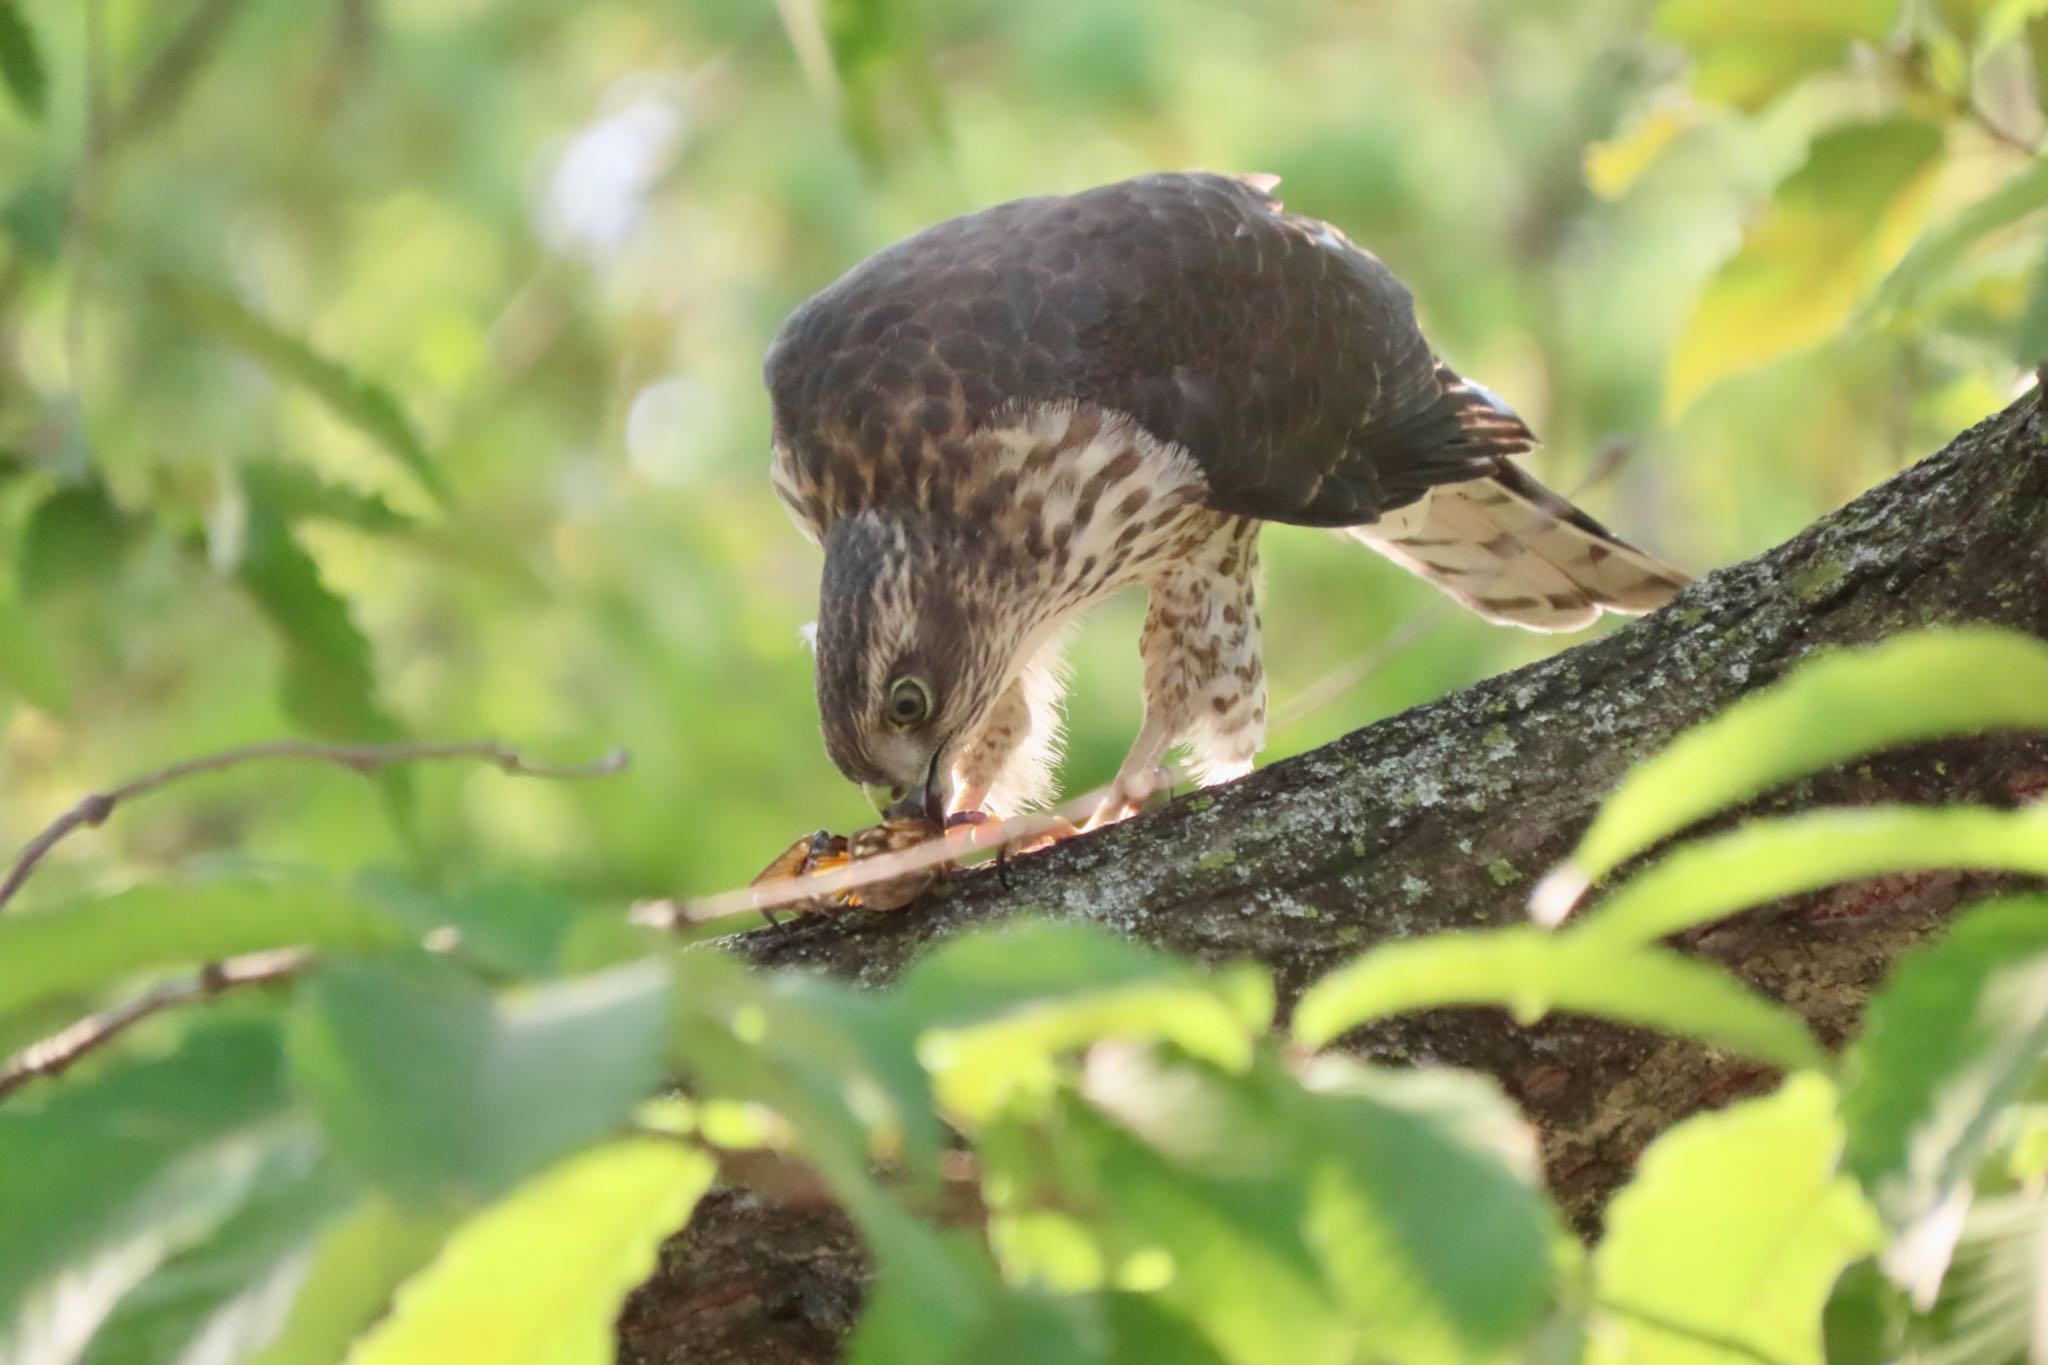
x=441, y=1092
x=1939, y=249
x=1948, y=1045
x=367, y=406
x=1727, y=1241
x=537, y=1278
x=359, y=1260
x=1833, y=228
x=1748, y=52
x=21, y=68
x=91, y=944
x=1708, y=879
x=224, y=1290
x=149, y=1149
x=27, y=667
x=1531, y=973
x=328, y=683
x=1834, y=707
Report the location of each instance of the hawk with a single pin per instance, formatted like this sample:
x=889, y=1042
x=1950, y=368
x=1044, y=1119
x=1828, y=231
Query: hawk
x=1006, y=418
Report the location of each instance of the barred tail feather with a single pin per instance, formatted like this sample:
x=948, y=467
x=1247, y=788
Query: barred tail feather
x=1515, y=552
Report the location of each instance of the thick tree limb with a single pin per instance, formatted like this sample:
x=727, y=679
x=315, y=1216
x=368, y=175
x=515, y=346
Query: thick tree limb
x=1442, y=818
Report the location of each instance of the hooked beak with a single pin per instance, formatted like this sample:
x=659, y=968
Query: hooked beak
x=926, y=800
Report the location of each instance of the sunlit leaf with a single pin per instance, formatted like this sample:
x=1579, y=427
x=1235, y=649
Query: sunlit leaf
x=1229, y=1245
x=21, y=69
x=92, y=944
x=1704, y=880
x=369, y=407
x=997, y=1009
x=1940, y=248
x=1748, y=52
x=1919, y=686
x=1986, y=23
x=27, y=667
x=1949, y=1043
x=225, y=1289
x=1834, y=226
x=1731, y=1234
x=1532, y=973
x=442, y=1092
x=353, y=1268
x=1613, y=166
x=537, y=1278
x=839, y=1063
x=149, y=1150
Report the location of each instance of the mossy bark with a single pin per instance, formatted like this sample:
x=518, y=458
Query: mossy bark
x=1443, y=817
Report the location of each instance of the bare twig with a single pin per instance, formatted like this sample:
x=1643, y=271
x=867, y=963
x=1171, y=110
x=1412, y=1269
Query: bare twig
x=55, y=1054
x=92, y=811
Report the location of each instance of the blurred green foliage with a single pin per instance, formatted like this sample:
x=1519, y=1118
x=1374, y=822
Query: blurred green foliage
x=376, y=369
x=407, y=1157
x=371, y=369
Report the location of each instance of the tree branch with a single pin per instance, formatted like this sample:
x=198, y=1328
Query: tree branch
x=92, y=811
x=56, y=1053
x=1443, y=817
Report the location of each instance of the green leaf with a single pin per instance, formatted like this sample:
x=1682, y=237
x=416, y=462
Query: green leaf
x=328, y=683
x=513, y=927
x=998, y=1009
x=1229, y=1242
x=1984, y=24
x=358, y=1261
x=21, y=69
x=147, y=1151
x=1947, y=1046
x=225, y=1287
x=1530, y=973
x=1833, y=228
x=2030, y=336
x=1917, y=686
x=75, y=538
x=1938, y=250
x=537, y=1278
x=441, y=1092
x=369, y=407
x=839, y=1063
x=27, y=668
x=1438, y=1245
x=1700, y=882
x=92, y=944
x=1732, y=1231
x=1748, y=52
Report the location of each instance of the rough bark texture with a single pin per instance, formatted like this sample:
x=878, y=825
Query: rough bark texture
x=1442, y=818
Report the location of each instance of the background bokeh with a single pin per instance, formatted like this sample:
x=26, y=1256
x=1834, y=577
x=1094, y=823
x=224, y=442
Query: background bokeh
x=393, y=369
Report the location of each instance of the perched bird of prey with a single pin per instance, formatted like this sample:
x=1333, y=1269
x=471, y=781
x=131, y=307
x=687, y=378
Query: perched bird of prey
x=1006, y=418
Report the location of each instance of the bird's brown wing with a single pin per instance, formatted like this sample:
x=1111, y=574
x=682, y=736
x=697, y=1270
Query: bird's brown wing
x=1286, y=360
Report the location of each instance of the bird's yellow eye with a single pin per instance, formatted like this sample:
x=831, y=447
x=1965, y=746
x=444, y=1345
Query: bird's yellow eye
x=910, y=701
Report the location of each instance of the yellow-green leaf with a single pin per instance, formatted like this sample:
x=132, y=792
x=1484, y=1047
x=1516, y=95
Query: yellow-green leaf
x=1919, y=686
x=1703, y=881
x=537, y=1278
x=1531, y=973
x=1832, y=229
x=1726, y=1243
x=1748, y=52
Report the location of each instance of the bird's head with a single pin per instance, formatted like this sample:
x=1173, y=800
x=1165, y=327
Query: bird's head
x=911, y=655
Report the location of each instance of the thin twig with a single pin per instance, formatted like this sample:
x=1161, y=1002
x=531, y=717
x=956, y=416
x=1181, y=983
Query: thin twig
x=92, y=811
x=55, y=1054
